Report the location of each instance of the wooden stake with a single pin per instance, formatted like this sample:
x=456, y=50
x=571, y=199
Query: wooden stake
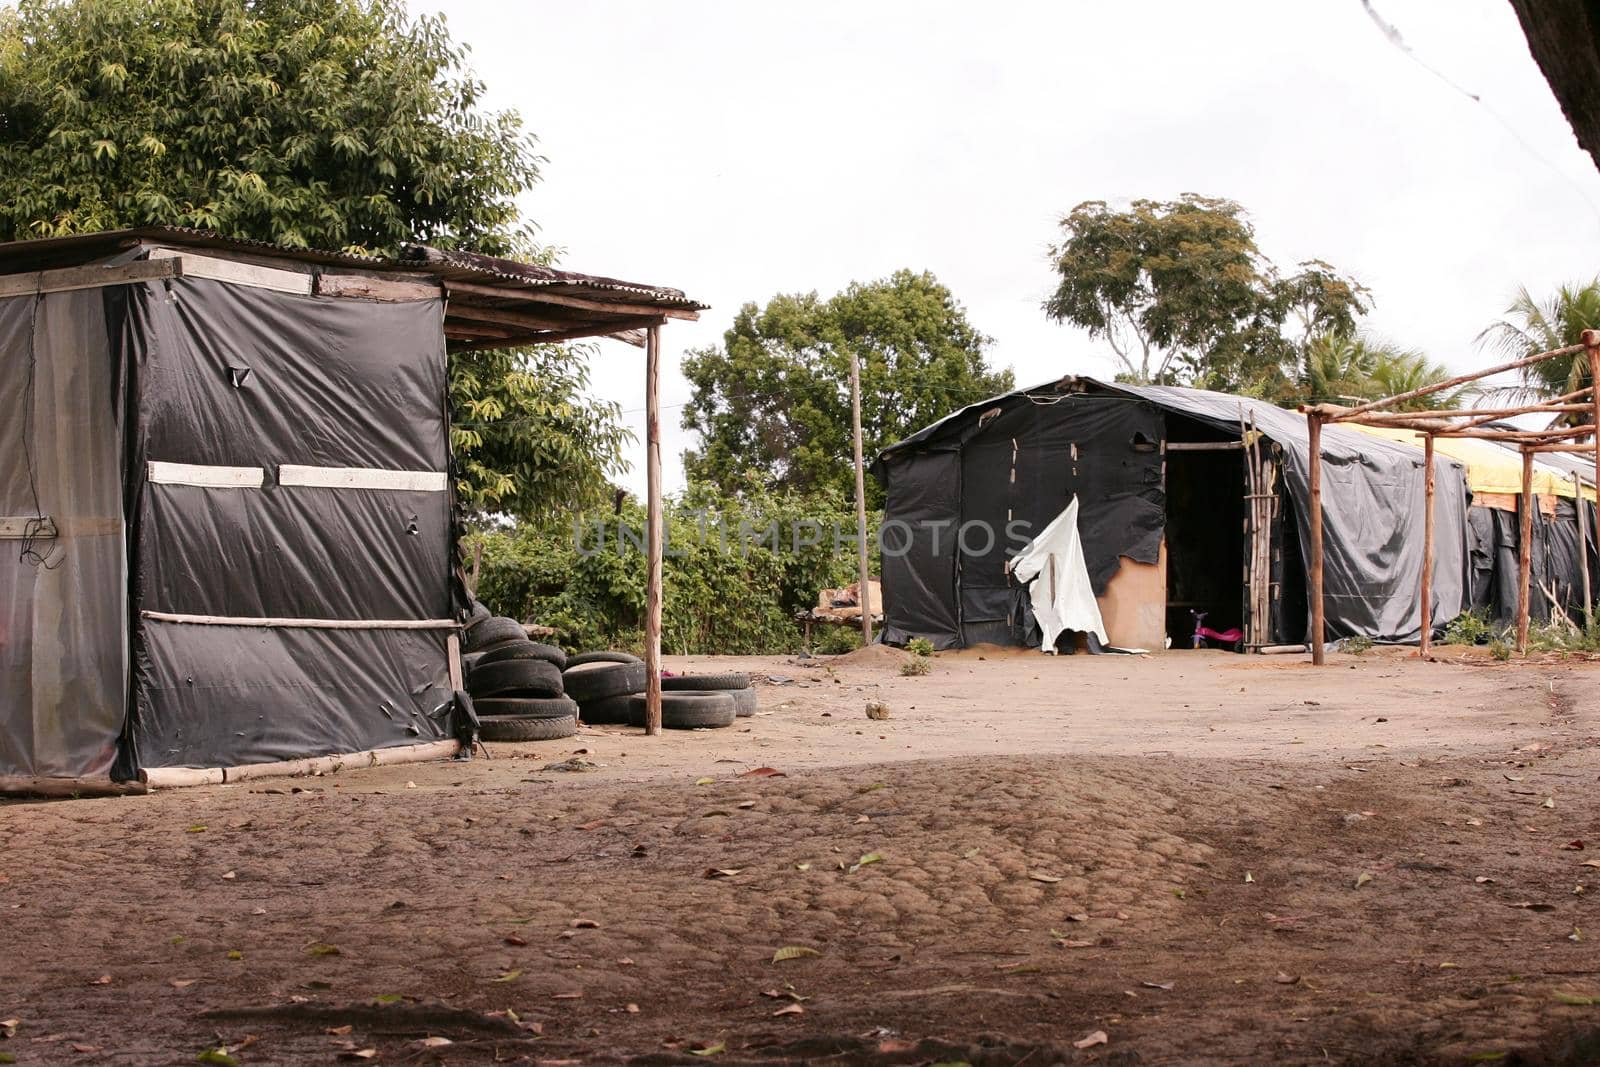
x=1319, y=654
x=652, y=581
x=1525, y=552
x=863, y=567
x=1591, y=343
x=1427, y=546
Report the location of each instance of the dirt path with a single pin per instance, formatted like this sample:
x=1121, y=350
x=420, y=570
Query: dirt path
x=1063, y=848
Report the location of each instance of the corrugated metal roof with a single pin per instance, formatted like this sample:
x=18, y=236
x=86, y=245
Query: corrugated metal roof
x=44, y=253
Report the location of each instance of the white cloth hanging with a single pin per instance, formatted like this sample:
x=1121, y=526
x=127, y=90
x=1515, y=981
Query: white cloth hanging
x=1063, y=598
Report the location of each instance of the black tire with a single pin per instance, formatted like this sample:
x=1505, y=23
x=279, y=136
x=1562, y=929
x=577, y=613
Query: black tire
x=525, y=707
x=531, y=677
x=485, y=633
x=525, y=649
x=744, y=701
x=513, y=728
x=605, y=711
x=477, y=611
x=617, y=679
x=688, y=710
x=470, y=660
x=700, y=683
x=602, y=657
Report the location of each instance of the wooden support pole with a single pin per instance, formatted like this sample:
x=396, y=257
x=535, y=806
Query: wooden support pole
x=1319, y=654
x=1427, y=545
x=1591, y=344
x=863, y=567
x=1525, y=552
x=654, y=519
x=1578, y=506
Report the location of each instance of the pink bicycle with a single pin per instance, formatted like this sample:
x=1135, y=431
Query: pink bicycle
x=1204, y=633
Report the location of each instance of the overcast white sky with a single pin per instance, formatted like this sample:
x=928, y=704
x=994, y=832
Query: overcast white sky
x=737, y=150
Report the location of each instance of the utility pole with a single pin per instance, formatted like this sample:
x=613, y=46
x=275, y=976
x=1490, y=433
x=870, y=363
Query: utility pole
x=861, y=500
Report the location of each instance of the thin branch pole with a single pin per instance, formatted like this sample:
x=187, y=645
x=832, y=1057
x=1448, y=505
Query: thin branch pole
x=1525, y=553
x=1532, y=436
x=656, y=522
x=1462, y=379
x=865, y=597
x=1486, y=414
x=1319, y=654
x=1427, y=546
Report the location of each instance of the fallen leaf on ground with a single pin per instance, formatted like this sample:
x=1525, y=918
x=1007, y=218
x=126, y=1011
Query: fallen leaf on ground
x=1248, y=877
x=395, y=998
x=1157, y=985
x=763, y=772
x=585, y=924
x=1041, y=877
x=1573, y=846
x=339, y=1031
x=870, y=857
x=104, y=979
x=360, y=1054
x=1069, y=943
x=704, y=781
x=1482, y=880
x=790, y=1009
x=722, y=872
x=1362, y=879
x=632, y=1009
x=793, y=952
x=1532, y=905
x=1286, y=979
x=508, y=976
x=322, y=948
x=1590, y=863
x=567, y=996
x=435, y=1042
x=747, y=805
x=1576, y=1000
x=1097, y=1038
x=217, y=1056
x=513, y=939
x=708, y=1050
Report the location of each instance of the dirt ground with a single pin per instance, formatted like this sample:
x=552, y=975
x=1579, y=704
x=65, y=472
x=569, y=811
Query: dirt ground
x=1176, y=859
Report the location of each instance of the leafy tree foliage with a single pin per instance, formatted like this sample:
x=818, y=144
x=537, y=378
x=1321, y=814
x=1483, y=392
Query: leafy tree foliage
x=1181, y=294
x=772, y=403
x=1349, y=368
x=739, y=565
x=1532, y=326
x=306, y=123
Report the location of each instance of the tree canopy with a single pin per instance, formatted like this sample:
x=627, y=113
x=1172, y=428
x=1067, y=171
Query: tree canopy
x=1182, y=295
x=1352, y=368
x=307, y=123
x=772, y=403
x=1531, y=326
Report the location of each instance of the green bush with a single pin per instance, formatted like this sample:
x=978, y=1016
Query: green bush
x=915, y=665
x=837, y=640
x=736, y=571
x=919, y=646
x=1468, y=628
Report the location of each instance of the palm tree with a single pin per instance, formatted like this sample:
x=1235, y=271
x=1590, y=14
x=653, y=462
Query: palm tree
x=1353, y=368
x=1531, y=327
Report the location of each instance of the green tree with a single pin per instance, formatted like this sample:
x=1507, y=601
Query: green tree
x=772, y=403
x=1532, y=326
x=1181, y=294
x=307, y=123
x=1352, y=368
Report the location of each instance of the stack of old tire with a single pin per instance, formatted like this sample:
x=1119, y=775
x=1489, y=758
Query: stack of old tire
x=700, y=701
x=609, y=688
x=515, y=683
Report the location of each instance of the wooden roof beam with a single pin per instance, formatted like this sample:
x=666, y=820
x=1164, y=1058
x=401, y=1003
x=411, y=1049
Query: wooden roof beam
x=541, y=295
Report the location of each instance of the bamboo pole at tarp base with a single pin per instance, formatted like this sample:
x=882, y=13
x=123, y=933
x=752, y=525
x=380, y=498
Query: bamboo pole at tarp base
x=656, y=523
x=172, y=777
x=1319, y=653
x=12, y=785
x=1525, y=552
x=865, y=597
x=1427, y=548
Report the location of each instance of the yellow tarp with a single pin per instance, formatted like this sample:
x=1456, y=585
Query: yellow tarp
x=1490, y=468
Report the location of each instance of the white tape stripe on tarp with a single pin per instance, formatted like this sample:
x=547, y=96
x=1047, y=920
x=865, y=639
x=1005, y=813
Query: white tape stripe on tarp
x=301, y=624
x=196, y=474
x=362, y=478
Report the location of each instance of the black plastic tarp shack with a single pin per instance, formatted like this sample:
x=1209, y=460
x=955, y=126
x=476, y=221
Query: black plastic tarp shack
x=1023, y=456
x=214, y=457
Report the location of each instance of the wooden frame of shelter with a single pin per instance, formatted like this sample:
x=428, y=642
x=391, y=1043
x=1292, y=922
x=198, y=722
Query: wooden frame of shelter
x=1480, y=423
x=489, y=303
